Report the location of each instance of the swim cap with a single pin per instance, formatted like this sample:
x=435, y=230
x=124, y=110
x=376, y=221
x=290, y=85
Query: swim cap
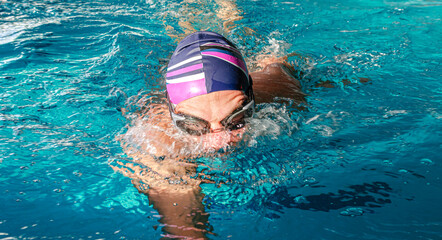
x=205, y=62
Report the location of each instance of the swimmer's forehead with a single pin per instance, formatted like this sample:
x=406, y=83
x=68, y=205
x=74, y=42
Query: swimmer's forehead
x=215, y=98
x=213, y=106
x=203, y=63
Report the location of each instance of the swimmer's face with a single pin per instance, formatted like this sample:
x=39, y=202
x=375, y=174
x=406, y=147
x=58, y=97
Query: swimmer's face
x=214, y=108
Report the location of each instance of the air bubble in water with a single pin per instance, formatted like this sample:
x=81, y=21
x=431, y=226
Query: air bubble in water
x=403, y=171
x=426, y=161
x=310, y=180
x=300, y=199
x=387, y=162
x=352, y=212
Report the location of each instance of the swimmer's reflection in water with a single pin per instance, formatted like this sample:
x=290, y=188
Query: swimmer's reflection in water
x=210, y=98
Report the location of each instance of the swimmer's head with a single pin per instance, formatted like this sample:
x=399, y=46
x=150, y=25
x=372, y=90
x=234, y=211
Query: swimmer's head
x=202, y=64
x=206, y=62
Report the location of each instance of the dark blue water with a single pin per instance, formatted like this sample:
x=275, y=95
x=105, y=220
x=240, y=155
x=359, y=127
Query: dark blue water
x=362, y=161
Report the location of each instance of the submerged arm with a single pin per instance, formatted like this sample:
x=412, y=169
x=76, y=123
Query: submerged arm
x=182, y=212
x=172, y=192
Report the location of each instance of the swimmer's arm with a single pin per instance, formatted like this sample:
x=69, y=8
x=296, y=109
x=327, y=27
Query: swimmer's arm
x=180, y=206
x=182, y=211
x=276, y=80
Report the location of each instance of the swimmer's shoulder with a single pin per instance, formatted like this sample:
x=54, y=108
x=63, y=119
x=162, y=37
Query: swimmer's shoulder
x=276, y=80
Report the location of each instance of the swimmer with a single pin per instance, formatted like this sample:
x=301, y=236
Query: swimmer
x=210, y=91
x=210, y=98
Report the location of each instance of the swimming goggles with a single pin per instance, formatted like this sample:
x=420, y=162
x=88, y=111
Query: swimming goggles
x=197, y=126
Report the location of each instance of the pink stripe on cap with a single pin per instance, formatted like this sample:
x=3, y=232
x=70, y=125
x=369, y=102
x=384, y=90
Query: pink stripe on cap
x=231, y=59
x=184, y=70
x=179, y=92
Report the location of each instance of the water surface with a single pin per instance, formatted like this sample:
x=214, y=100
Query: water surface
x=361, y=162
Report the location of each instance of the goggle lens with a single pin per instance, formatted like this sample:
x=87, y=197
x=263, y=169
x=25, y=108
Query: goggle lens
x=193, y=126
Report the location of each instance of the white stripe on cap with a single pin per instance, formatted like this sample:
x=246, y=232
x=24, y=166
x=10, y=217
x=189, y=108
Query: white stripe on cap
x=187, y=79
x=184, y=62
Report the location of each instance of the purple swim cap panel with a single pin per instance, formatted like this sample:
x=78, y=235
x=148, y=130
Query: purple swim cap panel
x=224, y=69
x=185, y=76
x=228, y=58
x=205, y=62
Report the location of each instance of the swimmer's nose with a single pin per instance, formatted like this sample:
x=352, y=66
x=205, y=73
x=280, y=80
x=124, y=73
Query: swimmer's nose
x=216, y=127
x=217, y=130
x=219, y=137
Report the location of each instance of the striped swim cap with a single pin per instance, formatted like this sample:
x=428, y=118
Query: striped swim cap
x=205, y=62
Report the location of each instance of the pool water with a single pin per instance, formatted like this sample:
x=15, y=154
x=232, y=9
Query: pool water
x=361, y=161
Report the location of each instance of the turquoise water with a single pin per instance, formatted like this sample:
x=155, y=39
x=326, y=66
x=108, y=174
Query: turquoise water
x=362, y=161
